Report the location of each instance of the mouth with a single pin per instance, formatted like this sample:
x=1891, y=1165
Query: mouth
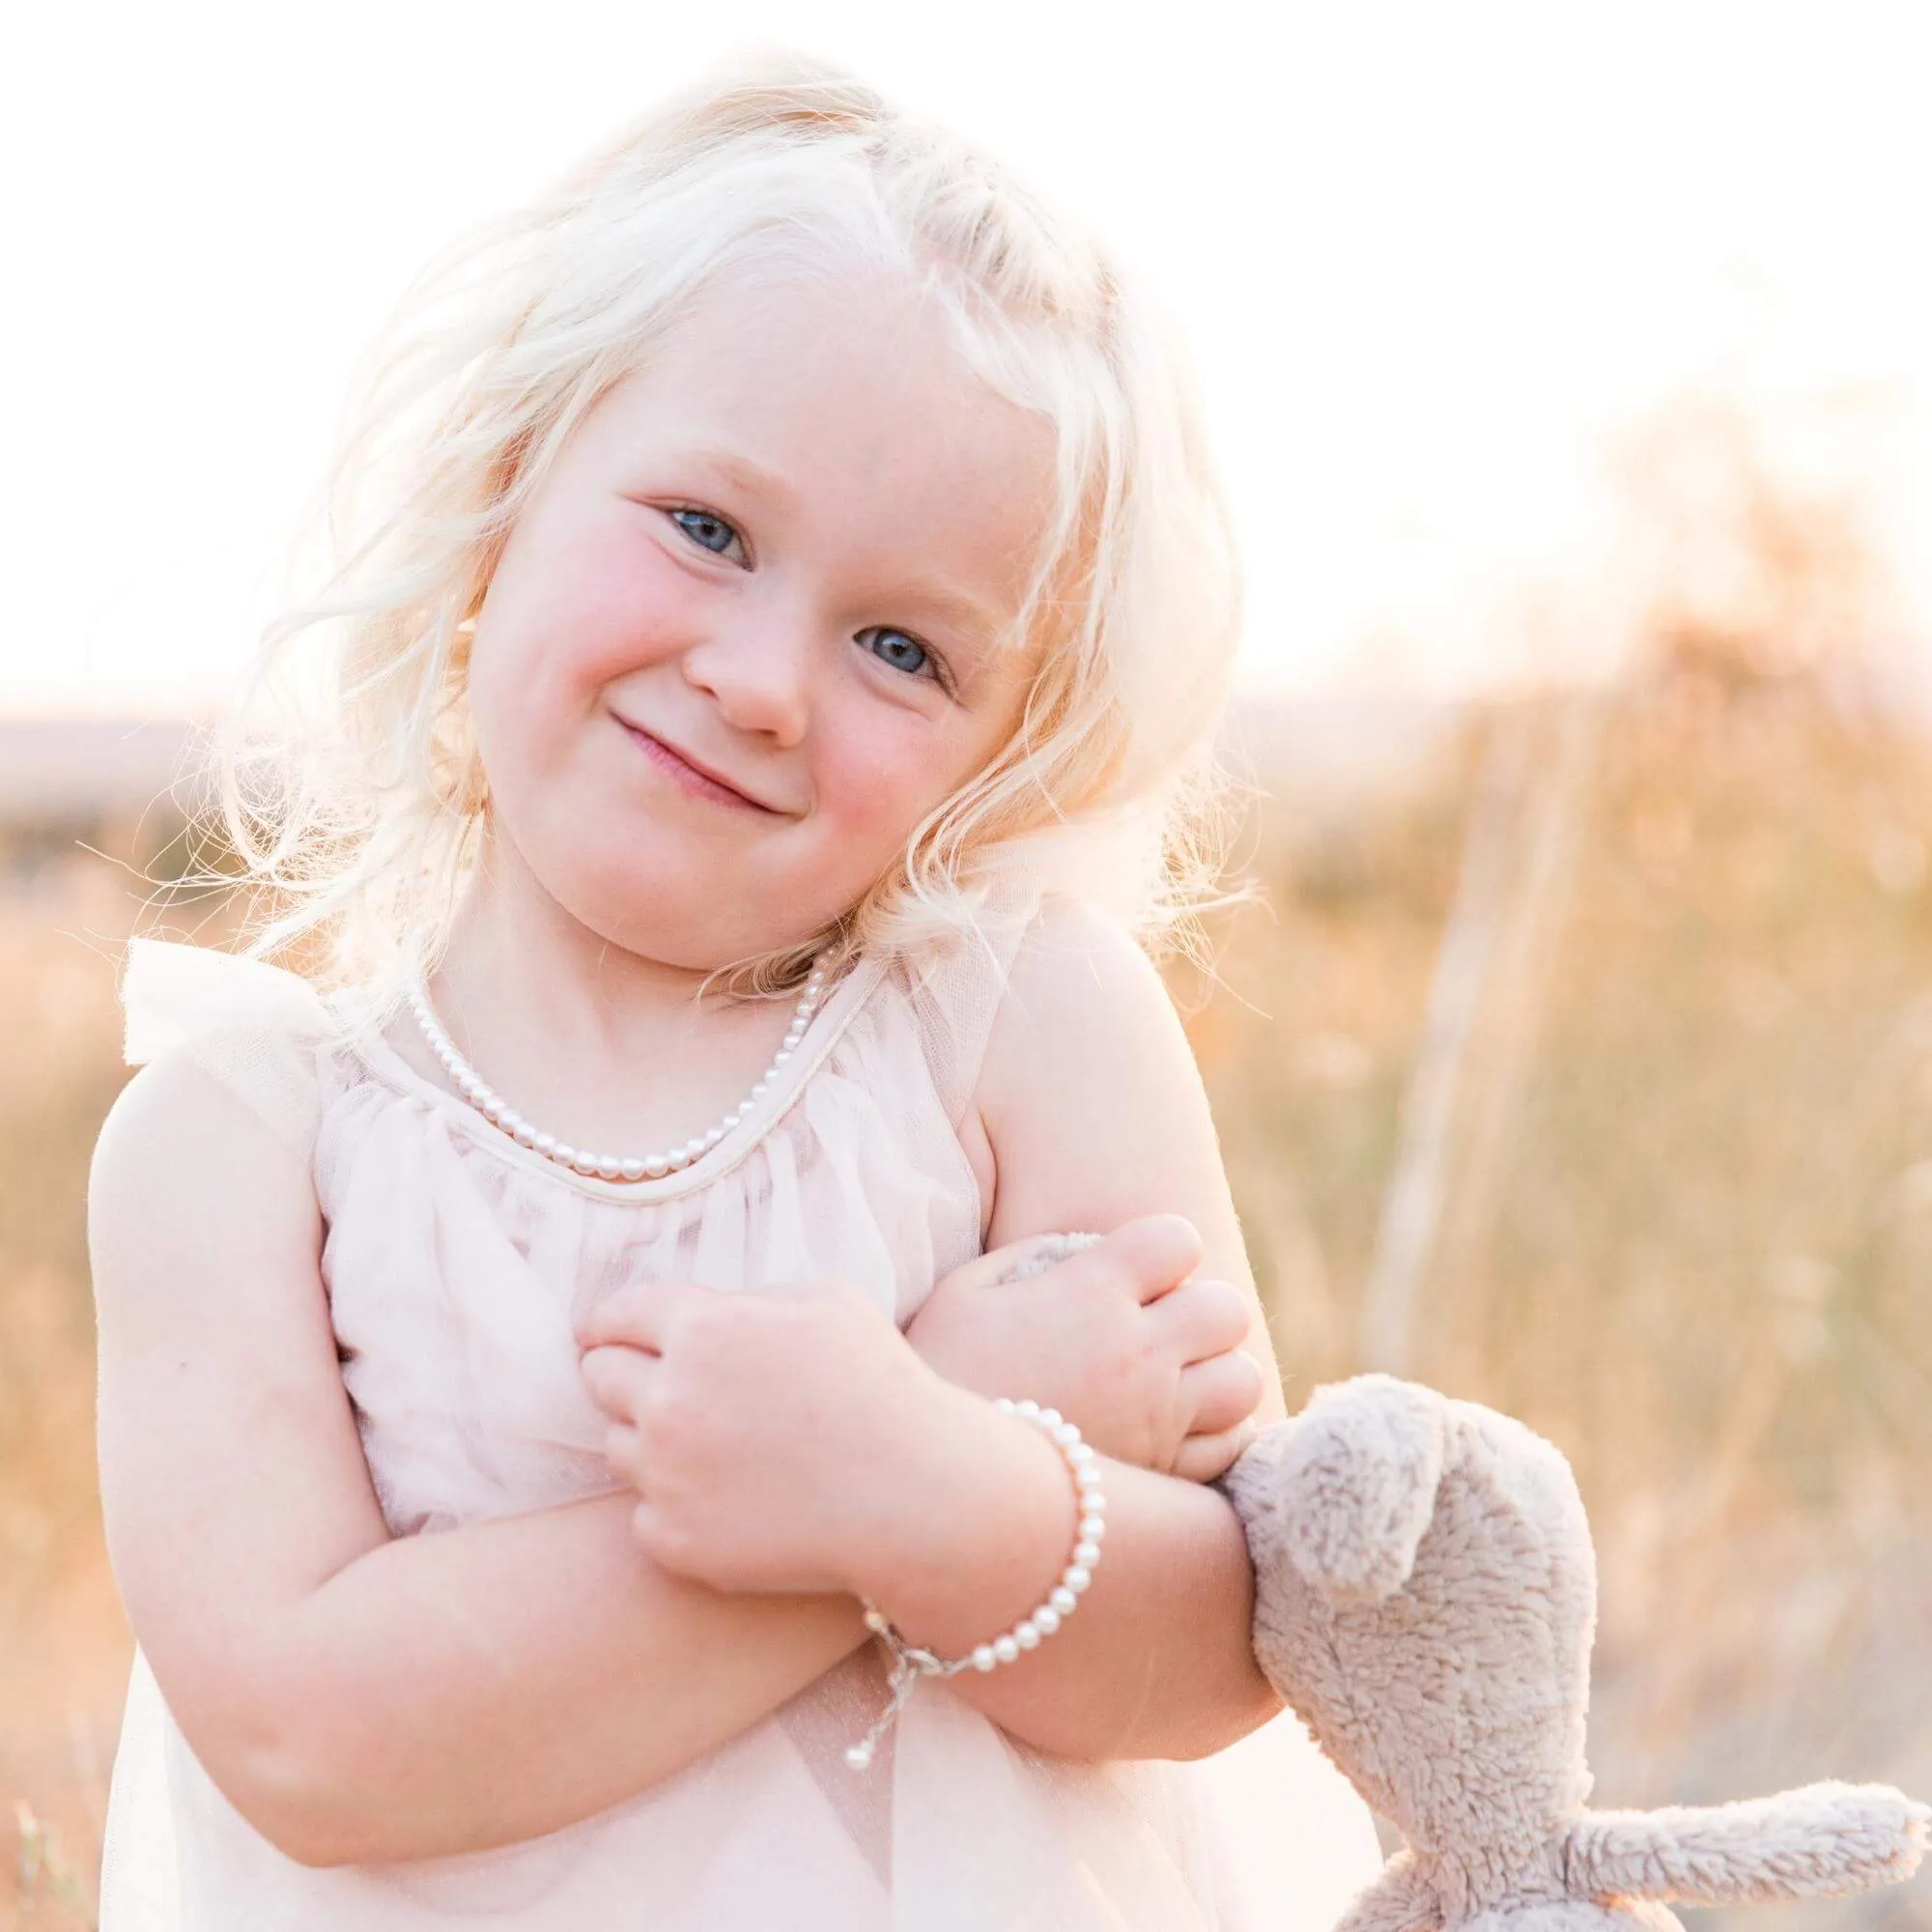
x=695, y=780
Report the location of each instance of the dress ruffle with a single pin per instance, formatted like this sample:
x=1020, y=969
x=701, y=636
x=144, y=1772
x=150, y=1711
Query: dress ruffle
x=456, y=1265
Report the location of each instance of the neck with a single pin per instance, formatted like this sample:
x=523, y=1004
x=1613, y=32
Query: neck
x=514, y=949
x=599, y=1044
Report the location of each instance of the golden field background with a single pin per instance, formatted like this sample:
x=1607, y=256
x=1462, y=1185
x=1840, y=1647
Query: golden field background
x=1577, y=1059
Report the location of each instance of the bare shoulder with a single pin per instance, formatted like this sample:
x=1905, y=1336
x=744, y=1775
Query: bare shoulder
x=182, y=1167
x=232, y=1477
x=1094, y=1109
x=1077, y=964
x=1090, y=1093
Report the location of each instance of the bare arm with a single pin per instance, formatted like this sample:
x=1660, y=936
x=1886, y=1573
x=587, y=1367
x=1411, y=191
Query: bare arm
x=1095, y=1114
x=359, y=1698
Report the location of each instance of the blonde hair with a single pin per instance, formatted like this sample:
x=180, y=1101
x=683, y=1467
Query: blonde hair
x=360, y=834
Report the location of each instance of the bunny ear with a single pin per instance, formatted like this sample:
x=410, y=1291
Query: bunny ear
x=1357, y=1480
x=1820, y=1841
x=1400, y=1900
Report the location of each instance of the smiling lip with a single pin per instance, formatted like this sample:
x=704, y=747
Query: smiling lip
x=689, y=775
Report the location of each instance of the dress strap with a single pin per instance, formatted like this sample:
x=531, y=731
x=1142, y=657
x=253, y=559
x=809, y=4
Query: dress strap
x=955, y=990
x=172, y=994
x=252, y=1027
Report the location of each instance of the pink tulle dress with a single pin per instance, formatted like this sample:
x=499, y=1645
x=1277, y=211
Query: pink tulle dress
x=455, y=1263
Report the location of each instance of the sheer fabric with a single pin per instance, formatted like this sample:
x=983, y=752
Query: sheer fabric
x=456, y=1264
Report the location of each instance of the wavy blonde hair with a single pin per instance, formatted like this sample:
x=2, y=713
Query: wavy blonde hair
x=360, y=829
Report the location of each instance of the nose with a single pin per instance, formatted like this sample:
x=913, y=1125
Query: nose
x=757, y=668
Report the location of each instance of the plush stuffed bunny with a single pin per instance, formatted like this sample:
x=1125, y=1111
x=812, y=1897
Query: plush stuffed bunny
x=1425, y=1600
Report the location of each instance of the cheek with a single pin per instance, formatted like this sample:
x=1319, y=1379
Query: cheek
x=883, y=771
x=569, y=610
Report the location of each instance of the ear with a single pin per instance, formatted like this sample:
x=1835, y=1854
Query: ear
x=1357, y=1480
x=1823, y=1840
x=1400, y=1900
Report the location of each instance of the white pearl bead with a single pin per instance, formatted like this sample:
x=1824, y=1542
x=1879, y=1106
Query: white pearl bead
x=1094, y=1501
x=1093, y=1527
x=1028, y=1408
x=1046, y=1620
x=1004, y=1404
x=1062, y=1600
x=1066, y=1436
x=1050, y=1421
x=984, y=1658
x=1026, y=1636
x=1005, y=1649
x=480, y=1095
x=1086, y=1475
x=1085, y=1553
x=1080, y=1452
x=1076, y=1576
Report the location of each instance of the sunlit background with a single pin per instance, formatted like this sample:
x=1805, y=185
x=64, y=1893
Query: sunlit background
x=1571, y=371
x=1431, y=257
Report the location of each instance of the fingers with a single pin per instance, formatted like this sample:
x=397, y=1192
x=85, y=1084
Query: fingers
x=1148, y=1257
x=1221, y=1393
x=1202, y=1318
x=619, y=1378
x=1203, y=1458
x=637, y=1316
x=624, y=1451
x=1021, y=1260
x=1145, y=1257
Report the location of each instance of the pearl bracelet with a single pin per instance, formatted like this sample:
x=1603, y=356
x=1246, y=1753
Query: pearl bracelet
x=910, y=1662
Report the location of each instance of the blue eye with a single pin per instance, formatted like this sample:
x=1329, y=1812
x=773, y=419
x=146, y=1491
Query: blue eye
x=901, y=652
x=712, y=532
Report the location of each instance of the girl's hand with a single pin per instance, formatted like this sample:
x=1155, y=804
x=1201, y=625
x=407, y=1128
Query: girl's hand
x=1121, y=1337
x=791, y=1440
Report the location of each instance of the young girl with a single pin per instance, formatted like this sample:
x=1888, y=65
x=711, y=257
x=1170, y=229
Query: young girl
x=783, y=614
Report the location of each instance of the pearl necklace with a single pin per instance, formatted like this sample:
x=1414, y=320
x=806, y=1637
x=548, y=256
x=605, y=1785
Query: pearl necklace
x=579, y=1160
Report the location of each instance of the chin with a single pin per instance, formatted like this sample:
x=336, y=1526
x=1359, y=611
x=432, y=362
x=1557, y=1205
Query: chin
x=694, y=923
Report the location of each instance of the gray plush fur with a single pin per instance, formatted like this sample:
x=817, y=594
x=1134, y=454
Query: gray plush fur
x=1425, y=1598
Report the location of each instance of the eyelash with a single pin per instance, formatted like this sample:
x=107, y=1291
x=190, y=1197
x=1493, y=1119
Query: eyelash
x=933, y=661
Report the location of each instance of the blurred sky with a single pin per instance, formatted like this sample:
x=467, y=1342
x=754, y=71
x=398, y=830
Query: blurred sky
x=1428, y=255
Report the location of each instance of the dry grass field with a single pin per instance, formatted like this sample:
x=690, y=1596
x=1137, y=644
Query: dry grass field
x=1685, y=1182
x=64, y=1644
x=1666, y=1097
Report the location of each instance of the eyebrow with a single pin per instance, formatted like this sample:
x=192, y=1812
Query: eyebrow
x=953, y=605
x=741, y=472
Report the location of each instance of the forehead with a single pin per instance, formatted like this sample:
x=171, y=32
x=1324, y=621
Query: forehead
x=846, y=390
